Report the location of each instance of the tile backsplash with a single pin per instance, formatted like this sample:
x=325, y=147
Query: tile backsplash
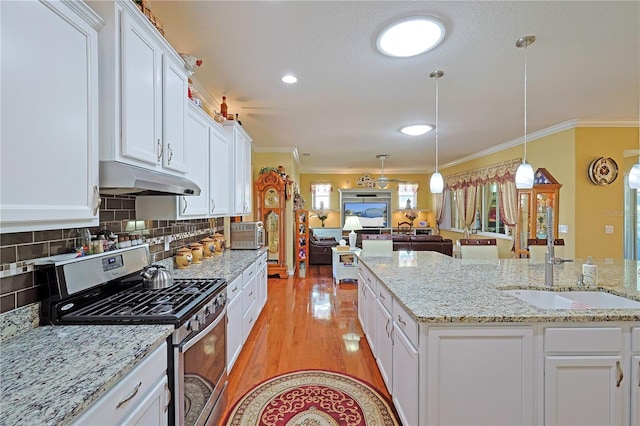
x=17, y=250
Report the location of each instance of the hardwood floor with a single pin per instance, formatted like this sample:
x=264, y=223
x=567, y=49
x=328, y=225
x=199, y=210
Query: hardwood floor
x=302, y=327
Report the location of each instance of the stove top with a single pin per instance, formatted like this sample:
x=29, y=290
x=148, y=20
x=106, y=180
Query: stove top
x=169, y=305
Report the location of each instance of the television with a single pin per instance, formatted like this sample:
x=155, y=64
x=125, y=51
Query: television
x=370, y=214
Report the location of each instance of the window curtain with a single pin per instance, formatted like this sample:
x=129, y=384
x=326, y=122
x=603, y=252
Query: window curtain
x=439, y=209
x=466, y=204
x=509, y=206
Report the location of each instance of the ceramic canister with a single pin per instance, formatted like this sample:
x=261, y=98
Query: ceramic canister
x=208, y=246
x=196, y=251
x=183, y=258
x=219, y=244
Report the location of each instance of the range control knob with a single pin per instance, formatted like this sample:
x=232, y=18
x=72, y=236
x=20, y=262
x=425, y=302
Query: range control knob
x=194, y=324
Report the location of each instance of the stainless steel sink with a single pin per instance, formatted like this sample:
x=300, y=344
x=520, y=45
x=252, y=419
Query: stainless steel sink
x=573, y=299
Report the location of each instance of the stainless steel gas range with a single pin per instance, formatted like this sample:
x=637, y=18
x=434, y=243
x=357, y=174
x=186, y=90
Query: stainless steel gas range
x=108, y=289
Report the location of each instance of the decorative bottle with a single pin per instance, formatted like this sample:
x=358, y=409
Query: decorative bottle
x=223, y=107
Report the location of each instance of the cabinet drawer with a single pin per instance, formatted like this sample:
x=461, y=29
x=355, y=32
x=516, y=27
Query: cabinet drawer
x=363, y=271
x=385, y=297
x=405, y=322
x=249, y=273
x=248, y=295
x=261, y=262
x=248, y=320
x=129, y=392
x=575, y=340
x=635, y=340
x=234, y=289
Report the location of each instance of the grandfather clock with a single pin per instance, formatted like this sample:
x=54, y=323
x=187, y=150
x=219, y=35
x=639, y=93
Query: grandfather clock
x=270, y=193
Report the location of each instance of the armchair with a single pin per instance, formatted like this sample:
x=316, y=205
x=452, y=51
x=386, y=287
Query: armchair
x=320, y=250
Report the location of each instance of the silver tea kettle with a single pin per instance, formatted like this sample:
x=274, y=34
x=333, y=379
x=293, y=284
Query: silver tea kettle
x=156, y=277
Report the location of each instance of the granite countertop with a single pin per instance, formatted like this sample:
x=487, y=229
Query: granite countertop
x=52, y=374
x=229, y=265
x=436, y=288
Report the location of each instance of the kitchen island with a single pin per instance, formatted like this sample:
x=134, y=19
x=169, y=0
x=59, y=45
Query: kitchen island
x=454, y=348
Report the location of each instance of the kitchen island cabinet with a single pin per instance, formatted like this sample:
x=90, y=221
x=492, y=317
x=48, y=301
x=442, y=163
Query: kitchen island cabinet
x=464, y=352
x=635, y=376
x=49, y=161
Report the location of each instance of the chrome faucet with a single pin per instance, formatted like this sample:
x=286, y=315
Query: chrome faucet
x=549, y=257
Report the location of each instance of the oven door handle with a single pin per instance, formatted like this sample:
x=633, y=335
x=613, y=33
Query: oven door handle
x=184, y=346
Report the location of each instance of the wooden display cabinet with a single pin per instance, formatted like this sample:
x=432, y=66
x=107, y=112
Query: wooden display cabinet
x=270, y=200
x=302, y=242
x=532, y=210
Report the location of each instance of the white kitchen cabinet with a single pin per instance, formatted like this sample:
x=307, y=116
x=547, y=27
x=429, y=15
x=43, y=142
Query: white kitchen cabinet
x=262, y=281
x=480, y=376
x=584, y=370
x=220, y=167
x=370, y=316
x=405, y=374
x=143, y=92
x=242, y=183
x=384, y=343
x=582, y=390
x=139, y=398
x=634, y=381
x=234, y=321
x=49, y=116
x=171, y=207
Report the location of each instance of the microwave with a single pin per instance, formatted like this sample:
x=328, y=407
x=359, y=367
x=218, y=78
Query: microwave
x=247, y=235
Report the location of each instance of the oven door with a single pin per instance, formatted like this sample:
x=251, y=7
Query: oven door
x=201, y=375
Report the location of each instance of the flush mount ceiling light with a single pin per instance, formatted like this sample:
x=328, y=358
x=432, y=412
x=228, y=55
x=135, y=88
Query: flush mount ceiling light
x=436, y=184
x=410, y=36
x=289, y=79
x=416, y=129
x=524, y=174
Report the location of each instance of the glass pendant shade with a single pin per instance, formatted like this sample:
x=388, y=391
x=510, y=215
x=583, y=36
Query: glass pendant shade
x=524, y=176
x=634, y=176
x=436, y=184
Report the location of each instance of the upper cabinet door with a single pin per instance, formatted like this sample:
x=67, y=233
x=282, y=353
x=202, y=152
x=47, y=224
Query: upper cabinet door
x=141, y=94
x=220, y=170
x=49, y=115
x=174, y=95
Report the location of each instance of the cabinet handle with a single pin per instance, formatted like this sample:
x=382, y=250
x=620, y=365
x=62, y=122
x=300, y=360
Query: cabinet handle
x=639, y=370
x=620, y=375
x=184, y=199
x=250, y=294
x=382, y=296
x=401, y=322
x=98, y=199
x=135, y=391
x=159, y=150
x=213, y=205
x=167, y=395
x=386, y=327
x=170, y=153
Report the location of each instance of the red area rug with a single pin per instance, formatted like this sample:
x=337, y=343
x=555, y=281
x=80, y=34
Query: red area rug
x=312, y=398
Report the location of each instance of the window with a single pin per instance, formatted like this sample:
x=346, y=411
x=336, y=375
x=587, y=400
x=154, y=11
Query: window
x=321, y=196
x=488, y=216
x=408, y=195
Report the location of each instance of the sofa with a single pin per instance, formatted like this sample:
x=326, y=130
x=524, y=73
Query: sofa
x=416, y=242
x=320, y=250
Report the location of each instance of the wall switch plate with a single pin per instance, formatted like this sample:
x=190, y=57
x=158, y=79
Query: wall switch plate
x=167, y=243
x=563, y=229
x=608, y=229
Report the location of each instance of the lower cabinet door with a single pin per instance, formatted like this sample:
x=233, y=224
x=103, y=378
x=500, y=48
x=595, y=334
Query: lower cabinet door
x=152, y=410
x=234, y=331
x=635, y=390
x=583, y=390
x=405, y=379
x=384, y=343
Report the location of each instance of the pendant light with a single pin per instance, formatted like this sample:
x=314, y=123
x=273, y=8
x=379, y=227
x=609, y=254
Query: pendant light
x=524, y=174
x=436, y=184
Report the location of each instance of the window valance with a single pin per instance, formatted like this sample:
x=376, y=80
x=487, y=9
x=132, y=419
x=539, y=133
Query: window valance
x=499, y=172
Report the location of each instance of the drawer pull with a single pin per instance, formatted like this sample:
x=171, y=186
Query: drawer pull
x=134, y=393
x=620, y=375
x=167, y=395
x=251, y=294
x=401, y=321
x=382, y=297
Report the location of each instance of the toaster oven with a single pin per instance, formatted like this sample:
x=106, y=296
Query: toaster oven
x=247, y=235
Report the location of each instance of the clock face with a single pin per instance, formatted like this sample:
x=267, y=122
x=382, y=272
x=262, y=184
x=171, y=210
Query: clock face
x=603, y=171
x=271, y=198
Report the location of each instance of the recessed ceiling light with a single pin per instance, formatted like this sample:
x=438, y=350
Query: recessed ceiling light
x=289, y=79
x=416, y=129
x=410, y=36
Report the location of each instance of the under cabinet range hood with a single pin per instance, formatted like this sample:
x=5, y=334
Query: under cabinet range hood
x=118, y=178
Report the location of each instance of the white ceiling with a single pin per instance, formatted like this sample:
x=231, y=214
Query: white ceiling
x=351, y=100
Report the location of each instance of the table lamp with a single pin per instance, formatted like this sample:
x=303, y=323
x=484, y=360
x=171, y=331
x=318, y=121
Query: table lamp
x=352, y=223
